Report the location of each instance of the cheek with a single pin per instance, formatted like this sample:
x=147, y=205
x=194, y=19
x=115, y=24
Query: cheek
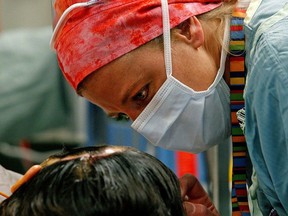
x=133, y=113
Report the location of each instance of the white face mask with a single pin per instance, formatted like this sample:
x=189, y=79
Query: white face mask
x=180, y=118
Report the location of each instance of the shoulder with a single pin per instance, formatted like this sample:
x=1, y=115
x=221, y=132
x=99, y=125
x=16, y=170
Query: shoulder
x=267, y=51
x=266, y=27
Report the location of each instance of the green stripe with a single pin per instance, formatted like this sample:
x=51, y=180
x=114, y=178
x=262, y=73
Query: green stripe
x=237, y=97
x=237, y=47
x=237, y=131
x=239, y=177
x=239, y=149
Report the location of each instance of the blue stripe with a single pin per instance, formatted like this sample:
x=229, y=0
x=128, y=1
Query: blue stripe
x=236, y=107
x=237, y=35
x=239, y=162
x=237, y=21
x=239, y=186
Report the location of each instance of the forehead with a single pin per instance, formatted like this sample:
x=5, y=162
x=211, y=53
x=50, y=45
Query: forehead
x=130, y=60
x=118, y=75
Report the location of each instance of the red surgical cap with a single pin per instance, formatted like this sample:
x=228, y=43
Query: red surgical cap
x=94, y=36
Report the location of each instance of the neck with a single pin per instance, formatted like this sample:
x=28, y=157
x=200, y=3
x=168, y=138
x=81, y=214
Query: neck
x=214, y=34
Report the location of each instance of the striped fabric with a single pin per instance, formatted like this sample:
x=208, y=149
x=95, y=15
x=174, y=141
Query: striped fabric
x=237, y=82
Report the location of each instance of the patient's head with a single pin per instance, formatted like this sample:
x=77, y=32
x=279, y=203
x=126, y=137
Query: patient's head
x=98, y=181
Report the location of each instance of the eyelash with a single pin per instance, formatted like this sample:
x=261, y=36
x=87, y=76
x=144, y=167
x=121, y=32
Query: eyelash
x=144, y=92
x=121, y=117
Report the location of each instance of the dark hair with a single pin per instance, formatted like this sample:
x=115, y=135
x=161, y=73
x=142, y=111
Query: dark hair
x=124, y=182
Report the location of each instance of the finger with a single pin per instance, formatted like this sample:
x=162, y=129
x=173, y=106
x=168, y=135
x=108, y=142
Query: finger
x=186, y=183
x=4, y=195
x=191, y=188
x=198, y=210
x=28, y=175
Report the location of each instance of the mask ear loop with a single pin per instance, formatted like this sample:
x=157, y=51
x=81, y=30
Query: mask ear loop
x=166, y=37
x=63, y=19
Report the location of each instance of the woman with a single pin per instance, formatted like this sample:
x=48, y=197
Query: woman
x=111, y=52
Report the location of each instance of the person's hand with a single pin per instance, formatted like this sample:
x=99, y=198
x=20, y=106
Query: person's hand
x=195, y=199
x=29, y=174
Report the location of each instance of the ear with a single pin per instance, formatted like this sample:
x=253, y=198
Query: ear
x=191, y=32
x=28, y=175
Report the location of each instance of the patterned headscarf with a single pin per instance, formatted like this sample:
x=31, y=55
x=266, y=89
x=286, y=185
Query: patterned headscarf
x=94, y=35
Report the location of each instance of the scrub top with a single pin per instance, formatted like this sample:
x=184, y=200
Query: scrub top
x=266, y=98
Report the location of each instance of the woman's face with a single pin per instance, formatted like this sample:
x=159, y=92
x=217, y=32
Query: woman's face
x=126, y=85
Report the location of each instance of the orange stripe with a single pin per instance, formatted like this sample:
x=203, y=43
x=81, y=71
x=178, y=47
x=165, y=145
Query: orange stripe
x=237, y=66
x=240, y=182
x=239, y=154
x=234, y=118
x=243, y=203
x=238, y=139
x=239, y=13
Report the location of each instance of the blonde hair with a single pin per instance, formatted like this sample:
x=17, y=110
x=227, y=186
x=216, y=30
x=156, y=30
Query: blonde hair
x=213, y=24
